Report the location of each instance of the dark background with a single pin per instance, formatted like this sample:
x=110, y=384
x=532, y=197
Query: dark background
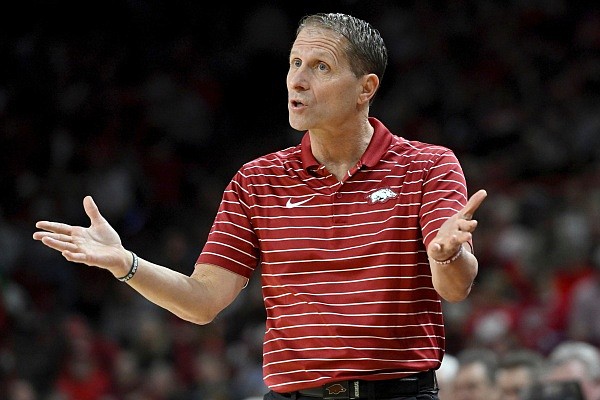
x=152, y=106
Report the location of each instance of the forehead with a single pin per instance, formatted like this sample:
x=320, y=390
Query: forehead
x=572, y=369
x=319, y=42
x=473, y=371
x=512, y=375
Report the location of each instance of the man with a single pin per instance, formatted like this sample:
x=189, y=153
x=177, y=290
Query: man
x=445, y=375
x=359, y=235
x=475, y=378
x=517, y=371
x=572, y=363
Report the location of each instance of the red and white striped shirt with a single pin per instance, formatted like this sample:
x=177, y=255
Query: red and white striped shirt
x=345, y=274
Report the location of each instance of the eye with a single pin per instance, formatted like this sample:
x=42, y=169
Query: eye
x=296, y=63
x=322, y=67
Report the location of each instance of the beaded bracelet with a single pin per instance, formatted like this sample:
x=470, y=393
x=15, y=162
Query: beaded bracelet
x=451, y=259
x=132, y=271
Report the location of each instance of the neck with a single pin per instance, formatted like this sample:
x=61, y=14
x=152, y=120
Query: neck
x=340, y=150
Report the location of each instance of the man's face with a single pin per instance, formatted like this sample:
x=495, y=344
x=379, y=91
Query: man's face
x=472, y=383
x=322, y=90
x=511, y=382
x=574, y=370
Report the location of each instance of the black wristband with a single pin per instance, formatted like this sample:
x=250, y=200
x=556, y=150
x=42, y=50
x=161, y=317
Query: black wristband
x=132, y=270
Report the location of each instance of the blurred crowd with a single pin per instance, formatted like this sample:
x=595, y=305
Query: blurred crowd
x=571, y=371
x=151, y=107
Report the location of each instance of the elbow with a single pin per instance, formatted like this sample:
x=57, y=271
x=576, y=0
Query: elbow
x=199, y=318
x=455, y=295
x=197, y=321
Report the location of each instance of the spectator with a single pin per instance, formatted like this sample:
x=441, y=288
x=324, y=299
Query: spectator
x=585, y=303
x=446, y=375
x=21, y=389
x=475, y=378
x=575, y=361
x=517, y=370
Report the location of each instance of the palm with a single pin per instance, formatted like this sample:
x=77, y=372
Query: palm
x=102, y=233
x=456, y=230
x=98, y=245
x=98, y=242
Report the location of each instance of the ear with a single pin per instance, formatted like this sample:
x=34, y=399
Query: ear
x=370, y=84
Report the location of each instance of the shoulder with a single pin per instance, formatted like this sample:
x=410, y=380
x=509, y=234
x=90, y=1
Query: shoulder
x=272, y=163
x=416, y=148
x=417, y=153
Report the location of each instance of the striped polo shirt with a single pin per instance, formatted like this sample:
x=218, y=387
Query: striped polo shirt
x=345, y=275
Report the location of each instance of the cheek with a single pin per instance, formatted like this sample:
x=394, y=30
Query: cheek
x=346, y=93
x=345, y=99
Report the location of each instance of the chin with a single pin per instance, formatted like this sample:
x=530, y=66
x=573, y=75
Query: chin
x=297, y=125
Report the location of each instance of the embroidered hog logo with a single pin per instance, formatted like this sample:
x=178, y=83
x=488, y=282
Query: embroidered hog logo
x=381, y=195
x=336, y=388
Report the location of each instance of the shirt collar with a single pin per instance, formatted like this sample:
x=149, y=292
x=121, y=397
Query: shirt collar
x=379, y=144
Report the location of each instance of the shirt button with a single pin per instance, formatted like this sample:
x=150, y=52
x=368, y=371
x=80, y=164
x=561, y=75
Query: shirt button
x=338, y=195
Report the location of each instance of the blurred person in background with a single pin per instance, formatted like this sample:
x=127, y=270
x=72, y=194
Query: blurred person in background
x=446, y=375
x=85, y=369
x=517, y=370
x=127, y=376
x=575, y=361
x=20, y=389
x=359, y=234
x=475, y=378
x=586, y=303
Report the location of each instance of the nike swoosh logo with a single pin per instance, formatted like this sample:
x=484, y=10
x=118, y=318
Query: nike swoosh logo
x=289, y=203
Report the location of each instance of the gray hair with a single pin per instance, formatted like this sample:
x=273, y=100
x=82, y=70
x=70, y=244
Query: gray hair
x=584, y=352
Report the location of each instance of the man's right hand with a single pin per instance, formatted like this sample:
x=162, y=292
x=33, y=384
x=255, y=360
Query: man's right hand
x=99, y=245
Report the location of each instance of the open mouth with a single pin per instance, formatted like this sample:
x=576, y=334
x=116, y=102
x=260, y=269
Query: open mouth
x=296, y=103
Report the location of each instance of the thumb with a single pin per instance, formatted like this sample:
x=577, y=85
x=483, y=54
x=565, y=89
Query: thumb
x=435, y=247
x=91, y=209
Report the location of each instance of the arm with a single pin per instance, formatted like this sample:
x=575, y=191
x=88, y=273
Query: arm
x=197, y=298
x=453, y=280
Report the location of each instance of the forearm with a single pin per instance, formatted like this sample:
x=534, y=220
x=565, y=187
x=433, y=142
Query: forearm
x=197, y=298
x=192, y=299
x=453, y=281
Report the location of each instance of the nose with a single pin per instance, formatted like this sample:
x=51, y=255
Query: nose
x=296, y=79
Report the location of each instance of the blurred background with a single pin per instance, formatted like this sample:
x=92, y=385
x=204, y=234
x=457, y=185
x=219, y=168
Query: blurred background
x=151, y=107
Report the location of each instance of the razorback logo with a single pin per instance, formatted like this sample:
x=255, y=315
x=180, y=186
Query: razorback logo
x=381, y=195
x=336, y=388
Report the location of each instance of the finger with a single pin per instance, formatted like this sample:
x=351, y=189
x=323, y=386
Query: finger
x=91, y=209
x=473, y=204
x=75, y=257
x=435, y=247
x=56, y=236
x=450, y=243
x=58, y=245
x=56, y=227
x=439, y=251
x=467, y=225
